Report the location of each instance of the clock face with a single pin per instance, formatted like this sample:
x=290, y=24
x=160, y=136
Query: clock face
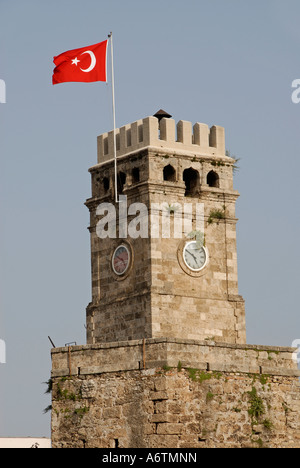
x=120, y=260
x=194, y=257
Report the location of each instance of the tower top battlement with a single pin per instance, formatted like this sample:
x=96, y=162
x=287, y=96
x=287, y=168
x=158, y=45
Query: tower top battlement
x=198, y=139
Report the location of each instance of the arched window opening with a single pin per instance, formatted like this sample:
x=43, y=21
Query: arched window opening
x=105, y=184
x=135, y=175
x=121, y=181
x=213, y=179
x=192, y=182
x=169, y=173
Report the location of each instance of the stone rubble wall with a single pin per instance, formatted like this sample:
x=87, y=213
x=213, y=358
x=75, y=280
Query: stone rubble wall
x=175, y=394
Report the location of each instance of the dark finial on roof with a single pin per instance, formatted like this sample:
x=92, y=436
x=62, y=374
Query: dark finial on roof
x=162, y=114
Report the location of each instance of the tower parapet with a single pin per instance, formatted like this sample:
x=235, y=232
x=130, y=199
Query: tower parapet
x=198, y=139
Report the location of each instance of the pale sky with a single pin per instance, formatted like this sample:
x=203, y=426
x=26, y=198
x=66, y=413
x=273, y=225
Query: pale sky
x=222, y=62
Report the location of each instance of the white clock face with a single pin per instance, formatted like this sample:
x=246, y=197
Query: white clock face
x=194, y=257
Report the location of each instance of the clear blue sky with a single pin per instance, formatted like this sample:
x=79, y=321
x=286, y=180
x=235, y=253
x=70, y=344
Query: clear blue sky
x=223, y=62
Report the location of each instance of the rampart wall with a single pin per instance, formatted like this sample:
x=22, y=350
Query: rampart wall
x=175, y=394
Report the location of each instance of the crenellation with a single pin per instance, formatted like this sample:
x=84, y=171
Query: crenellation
x=168, y=130
x=201, y=135
x=199, y=139
x=217, y=138
x=184, y=132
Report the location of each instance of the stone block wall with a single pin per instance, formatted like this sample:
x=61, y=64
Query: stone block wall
x=151, y=300
x=164, y=393
x=148, y=132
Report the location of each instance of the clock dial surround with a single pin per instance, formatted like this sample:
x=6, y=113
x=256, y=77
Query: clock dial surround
x=121, y=260
x=195, y=258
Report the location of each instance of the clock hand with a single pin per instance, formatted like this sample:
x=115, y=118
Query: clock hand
x=192, y=256
x=120, y=258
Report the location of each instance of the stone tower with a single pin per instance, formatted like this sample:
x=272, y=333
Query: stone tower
x=166, y=364
x=172, y=170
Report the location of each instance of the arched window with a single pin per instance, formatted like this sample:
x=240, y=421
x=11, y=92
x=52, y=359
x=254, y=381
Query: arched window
x=121, y=181
x=213, y=179
x=135, y=175
x=105, y=183
x=192, y=182
x=169, y=173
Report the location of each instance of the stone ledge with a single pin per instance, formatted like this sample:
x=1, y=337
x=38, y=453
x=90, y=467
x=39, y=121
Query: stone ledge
x=161, y=364
x=133, y=343
x=280, y=372
x=160, y=352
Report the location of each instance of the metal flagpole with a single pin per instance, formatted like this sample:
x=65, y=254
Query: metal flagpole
x=114, y=114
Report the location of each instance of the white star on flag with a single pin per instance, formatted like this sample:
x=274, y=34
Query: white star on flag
x=75, y=61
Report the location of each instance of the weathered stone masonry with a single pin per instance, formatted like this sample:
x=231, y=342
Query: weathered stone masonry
x=166, y=364
x=161, y=297
x=175, y=393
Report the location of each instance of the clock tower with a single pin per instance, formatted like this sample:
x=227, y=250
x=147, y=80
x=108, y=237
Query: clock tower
x=163, y=257
x=166, y=364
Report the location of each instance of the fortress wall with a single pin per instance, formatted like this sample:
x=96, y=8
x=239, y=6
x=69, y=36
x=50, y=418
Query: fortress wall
x=175, y=393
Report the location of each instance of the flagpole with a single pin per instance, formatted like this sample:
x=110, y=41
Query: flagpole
x=114, y=115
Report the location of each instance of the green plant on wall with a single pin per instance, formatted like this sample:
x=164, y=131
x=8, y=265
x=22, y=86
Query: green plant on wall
x=49, y=384
x=81, y=411
x=172, y=208
x=235, y=166
x=256, y=408
x=209, y=396
x=267, y=424
x=197, y=375
x=200, y=238
x=66, y=395
x=216, y=215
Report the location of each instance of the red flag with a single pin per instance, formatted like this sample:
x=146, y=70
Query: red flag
x=86, y=64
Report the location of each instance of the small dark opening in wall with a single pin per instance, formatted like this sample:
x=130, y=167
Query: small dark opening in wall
x=116, y=443
x=118, y=141
x=135, y=175
x=105, y=184
x=121, y=181
x=105, y=145
x=169, y=173
x=213, y=179
x=192, y=182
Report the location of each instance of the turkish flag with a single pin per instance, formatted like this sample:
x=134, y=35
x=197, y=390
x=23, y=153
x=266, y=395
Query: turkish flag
x=86, y=64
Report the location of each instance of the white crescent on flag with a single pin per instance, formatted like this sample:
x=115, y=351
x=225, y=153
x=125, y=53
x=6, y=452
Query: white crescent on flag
x=93, y=61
